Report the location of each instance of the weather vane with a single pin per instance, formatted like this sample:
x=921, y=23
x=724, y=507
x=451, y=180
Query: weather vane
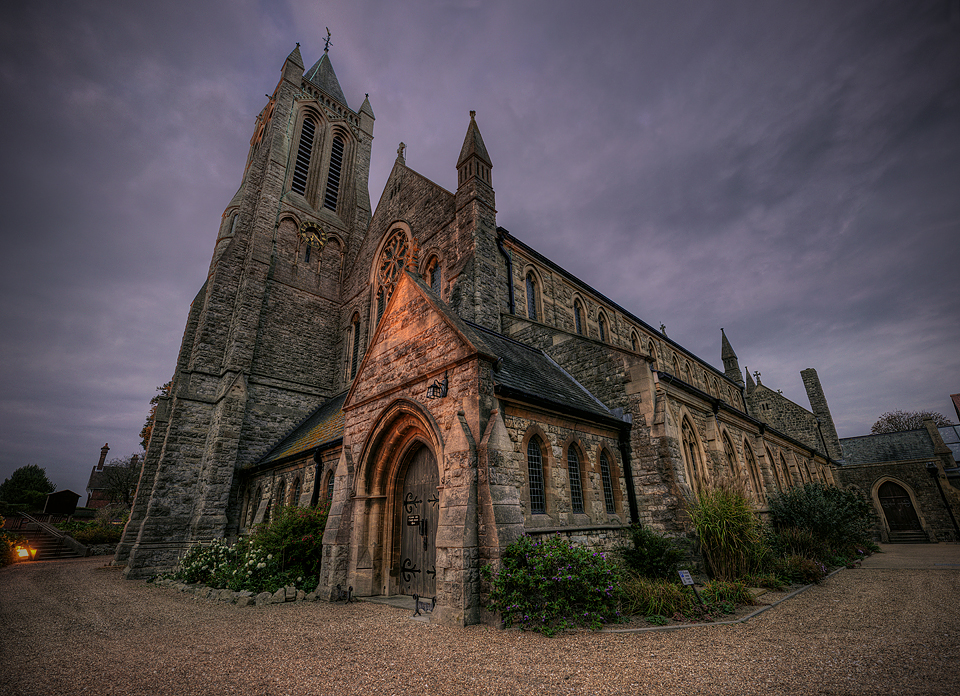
x=326, y=45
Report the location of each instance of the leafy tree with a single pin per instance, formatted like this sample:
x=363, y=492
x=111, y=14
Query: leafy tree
x=898, y=421
x=147, y=429
x=27, y=486
x=120, y=478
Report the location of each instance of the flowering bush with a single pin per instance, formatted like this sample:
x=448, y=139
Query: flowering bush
x=285, y=551
x=550, y=585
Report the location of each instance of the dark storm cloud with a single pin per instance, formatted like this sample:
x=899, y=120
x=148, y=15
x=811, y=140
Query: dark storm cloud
x=785, y=170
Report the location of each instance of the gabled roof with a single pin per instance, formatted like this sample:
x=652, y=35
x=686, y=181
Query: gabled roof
x=322, y=75
x=887, y=447
x=529, y=374
x=322, y=427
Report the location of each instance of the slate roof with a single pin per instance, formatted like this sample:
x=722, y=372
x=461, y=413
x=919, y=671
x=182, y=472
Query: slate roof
x=887, y=447
x=323, y=76
x=323, y=426
x=529, y=373
x=951, y=438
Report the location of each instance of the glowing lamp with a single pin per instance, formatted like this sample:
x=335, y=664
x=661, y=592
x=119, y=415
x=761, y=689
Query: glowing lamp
x=24, y=553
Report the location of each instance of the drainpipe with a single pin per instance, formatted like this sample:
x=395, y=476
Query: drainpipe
x=509, y=261
x=628, y=470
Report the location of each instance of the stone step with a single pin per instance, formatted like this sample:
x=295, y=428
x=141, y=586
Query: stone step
x=911, y=537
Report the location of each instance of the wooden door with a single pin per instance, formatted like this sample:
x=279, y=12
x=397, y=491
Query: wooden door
x=898, y=508
x=419, y=513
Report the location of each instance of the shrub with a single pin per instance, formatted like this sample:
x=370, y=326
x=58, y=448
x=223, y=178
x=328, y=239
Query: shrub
x=550, y=585
x=802, y=570
x=728, y=530
x=726, y=592
x=651, y=597
x=294, y=535
x=841, y=519
x=284, y=551
x=8, y=543
x=790, y=541
x=651, y=555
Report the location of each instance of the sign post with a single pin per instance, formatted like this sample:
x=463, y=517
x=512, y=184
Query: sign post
x=687, y=579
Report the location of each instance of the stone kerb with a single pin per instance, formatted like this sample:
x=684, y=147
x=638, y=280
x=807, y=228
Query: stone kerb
x=243, y=598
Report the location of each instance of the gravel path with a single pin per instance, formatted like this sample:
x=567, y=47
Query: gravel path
x=76, y=627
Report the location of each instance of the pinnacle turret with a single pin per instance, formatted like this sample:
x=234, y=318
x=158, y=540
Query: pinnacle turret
x=731, y=365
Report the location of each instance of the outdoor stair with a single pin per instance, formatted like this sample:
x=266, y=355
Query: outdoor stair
x=909, y=537
x=48, y=541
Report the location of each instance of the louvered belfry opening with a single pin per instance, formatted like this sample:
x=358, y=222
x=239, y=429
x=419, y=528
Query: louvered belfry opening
x=304, y=152
x=333, y=176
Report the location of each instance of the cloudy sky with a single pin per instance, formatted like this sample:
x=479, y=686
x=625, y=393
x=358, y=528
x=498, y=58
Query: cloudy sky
x=789, y=171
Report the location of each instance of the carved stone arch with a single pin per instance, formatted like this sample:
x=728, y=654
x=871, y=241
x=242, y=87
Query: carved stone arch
x=329, y=182
x=533, y=279
x=775, y=472
x=883, y=514
x=580, y=476
x=431, y=268
x=613, y=465
x=696, y=472
x=604, y=328
x=730, y=456
x=308, y=179
x=548, y=463
x=403, y=429
x=397, y=426
x=396, y=252
x=754, y=472
x=579, y=309
x=636, y=345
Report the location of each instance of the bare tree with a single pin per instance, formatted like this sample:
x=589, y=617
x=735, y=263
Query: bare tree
x=120, y=478
x=898, y=421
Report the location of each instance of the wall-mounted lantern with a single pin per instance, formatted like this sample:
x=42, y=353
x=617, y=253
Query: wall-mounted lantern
x=438, y=389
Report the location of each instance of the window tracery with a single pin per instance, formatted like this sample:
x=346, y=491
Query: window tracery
x=538, y=502
x=396, y=255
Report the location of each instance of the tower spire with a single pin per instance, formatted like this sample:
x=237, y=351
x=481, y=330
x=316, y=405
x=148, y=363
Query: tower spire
x=731, y=365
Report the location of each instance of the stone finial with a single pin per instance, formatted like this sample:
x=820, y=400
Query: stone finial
x=401, y=150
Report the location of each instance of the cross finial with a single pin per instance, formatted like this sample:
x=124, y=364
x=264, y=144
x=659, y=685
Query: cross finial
x=663, y=329
x=757, y=375
x=326, y=45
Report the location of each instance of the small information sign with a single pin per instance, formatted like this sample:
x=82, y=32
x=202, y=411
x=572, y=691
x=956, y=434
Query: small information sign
x=413, y=520
x=685, y=577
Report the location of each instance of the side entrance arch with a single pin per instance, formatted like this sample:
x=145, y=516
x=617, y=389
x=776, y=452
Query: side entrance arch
x=418, y=511
x=898, y=508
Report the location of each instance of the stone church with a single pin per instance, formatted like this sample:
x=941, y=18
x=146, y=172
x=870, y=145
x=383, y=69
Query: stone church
x=442, y=385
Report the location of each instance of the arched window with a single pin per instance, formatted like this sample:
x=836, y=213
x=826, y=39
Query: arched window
x=777, y=476
x=731, y=456
x=355, y=348
x=304, y=152
x=696, y=473
x=538, y=501
x=635, y=342
x=333, y=175
x=330, y=487
x=787, y=478
x=756, y=480
x=394, y=257
x=602, y=326
x=433, y=274
x=532, y=297
x=578, y=316
x=576, y=483
x=295, y=496
x=607, y=481
x=254, y=504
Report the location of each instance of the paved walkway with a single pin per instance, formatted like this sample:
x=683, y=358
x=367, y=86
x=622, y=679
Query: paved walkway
x=915, y=557
x=78, y=628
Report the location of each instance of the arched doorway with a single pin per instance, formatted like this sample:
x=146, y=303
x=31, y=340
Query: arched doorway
x=898, y=508
x=419, y=512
